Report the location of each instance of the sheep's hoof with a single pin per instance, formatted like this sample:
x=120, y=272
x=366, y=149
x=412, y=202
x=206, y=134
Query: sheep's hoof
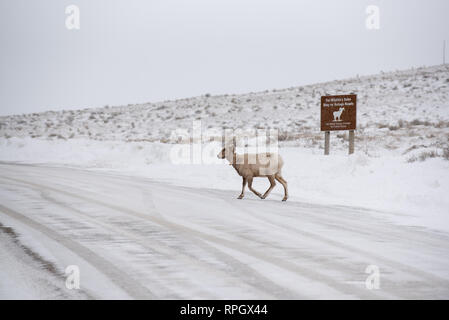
x=240, y=197
x=263, y=197
x=285, y=199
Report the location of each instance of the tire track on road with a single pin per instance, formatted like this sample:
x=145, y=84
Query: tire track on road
x=131, y=286
x=370, y=255
x=240, y=272
x=259, y=283
x=314, y=275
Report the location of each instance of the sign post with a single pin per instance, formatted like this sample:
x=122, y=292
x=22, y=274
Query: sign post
x=351, y=141
x=327, y=137
x=338, y=113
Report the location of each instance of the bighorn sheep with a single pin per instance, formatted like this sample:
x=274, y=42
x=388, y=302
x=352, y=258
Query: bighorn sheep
x=249, y=166
x=337, y=114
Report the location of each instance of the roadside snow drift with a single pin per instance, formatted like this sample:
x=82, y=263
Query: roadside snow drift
x=389, y=183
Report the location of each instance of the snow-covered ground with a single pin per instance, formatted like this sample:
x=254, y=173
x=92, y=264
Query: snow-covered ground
x=133, y=237
x=389, y=182
x=403, y=107
x=82, y=170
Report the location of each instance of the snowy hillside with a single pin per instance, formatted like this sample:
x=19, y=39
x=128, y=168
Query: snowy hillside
x=400, y=164
x=97, y=189
x=407, y=109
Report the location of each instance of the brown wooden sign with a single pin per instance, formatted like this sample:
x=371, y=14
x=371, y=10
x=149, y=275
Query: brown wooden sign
x=338, y=112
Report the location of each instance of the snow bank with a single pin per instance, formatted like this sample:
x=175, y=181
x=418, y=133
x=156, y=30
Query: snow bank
x=83, y=152
x=408, y=193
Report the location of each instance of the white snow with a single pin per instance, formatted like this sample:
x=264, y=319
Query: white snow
x=413, y=192
x=402, y=141
x=398, y=179
x=398, y=107
x=132, y=237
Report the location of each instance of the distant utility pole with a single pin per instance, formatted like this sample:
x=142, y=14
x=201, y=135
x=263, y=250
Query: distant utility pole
x=444, y=51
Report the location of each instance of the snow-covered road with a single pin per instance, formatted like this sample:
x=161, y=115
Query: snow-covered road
x=138, y=238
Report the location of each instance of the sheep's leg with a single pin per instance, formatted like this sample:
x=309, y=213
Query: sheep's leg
x=284, y=184
x=243, y=189
x=250, y=186
x=272, y=185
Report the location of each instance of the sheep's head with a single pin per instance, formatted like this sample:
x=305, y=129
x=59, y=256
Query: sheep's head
x=222, y=154
x=228, y=151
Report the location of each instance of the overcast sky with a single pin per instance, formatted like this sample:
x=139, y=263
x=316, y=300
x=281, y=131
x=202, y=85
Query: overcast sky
x=132, y=51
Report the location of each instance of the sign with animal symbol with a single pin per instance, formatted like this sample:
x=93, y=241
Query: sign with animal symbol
x=338, y=112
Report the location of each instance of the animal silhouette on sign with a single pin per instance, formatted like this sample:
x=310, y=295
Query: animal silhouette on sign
x=337, y=114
